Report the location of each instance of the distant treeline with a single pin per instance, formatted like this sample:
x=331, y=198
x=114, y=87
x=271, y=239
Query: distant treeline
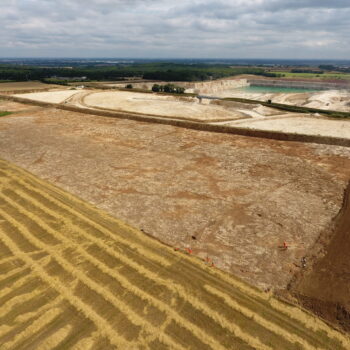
x=154, y=71
x=193, y=73
x=312, y=71
x=329, y=67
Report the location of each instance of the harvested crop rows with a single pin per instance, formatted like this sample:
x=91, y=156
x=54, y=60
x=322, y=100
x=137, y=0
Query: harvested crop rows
x=72, y=277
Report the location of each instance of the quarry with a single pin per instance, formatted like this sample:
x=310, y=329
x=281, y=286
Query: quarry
x=180, y=203
x=211, y=107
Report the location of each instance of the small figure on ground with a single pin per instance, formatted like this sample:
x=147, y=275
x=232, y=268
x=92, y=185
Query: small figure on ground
x=303, y=262
x=207, y=260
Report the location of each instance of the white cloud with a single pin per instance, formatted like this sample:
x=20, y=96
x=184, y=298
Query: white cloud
x=164, y=28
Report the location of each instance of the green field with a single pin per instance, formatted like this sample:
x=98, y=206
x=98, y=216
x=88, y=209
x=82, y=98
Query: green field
x=315, y=76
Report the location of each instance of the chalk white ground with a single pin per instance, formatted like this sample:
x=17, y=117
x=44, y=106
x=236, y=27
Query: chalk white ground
x=338, y=100
x=223, y=112
x=300, y=125
x=49, y=96
x=152, y=104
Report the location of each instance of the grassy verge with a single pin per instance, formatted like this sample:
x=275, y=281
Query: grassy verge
x=290, y=108
x=4, y=113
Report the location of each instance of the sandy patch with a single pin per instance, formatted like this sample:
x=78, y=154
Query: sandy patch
x=301, y=125
x=167, y=106
x=50, y=96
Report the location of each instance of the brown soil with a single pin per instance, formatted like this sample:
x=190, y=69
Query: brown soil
x=26, y=86
x=72, y=277
x=325, y=287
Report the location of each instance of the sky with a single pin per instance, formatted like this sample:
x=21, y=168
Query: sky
x=314, y=29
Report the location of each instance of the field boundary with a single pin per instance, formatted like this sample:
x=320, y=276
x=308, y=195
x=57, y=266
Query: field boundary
x=202, y=126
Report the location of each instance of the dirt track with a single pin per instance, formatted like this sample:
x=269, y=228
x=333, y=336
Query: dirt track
x=325, y=287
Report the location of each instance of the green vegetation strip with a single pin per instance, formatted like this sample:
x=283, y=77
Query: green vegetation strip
x=315, y=75
x=4, y=113
x=290, y=108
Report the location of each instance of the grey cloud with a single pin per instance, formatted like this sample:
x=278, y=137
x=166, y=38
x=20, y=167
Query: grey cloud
x=306, y=4
x=188, y=28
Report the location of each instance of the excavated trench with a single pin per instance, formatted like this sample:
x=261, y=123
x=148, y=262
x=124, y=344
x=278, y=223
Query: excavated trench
x=324, y=287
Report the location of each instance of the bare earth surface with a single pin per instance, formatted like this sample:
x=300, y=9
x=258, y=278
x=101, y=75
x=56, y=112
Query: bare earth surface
x=240, y=197
x=144, y=103
x=325, y=286
x=253, y=116
x=298, y=123
x=72, y=277
x=52, y=97
x=153, y=104
x=26, y=85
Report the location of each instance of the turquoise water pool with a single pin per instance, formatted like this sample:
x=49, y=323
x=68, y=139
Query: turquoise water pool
x=272, y=89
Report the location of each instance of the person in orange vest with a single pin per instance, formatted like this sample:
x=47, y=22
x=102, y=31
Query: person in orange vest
x=189, y=250
x=285, y=246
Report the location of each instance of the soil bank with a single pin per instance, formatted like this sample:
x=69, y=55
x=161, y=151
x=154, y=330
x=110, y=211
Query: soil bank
x=325, y=288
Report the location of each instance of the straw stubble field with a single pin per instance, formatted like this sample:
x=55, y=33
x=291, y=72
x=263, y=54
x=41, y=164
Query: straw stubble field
x=73, y=277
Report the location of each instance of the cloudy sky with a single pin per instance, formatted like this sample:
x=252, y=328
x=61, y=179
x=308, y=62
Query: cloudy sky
x=177, y=29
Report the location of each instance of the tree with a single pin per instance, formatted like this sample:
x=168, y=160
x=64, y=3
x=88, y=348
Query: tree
x=170, y=88
x=129, y=86
x=156, y=88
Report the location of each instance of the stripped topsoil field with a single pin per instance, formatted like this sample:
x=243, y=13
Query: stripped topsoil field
x=72, y=277
x=234, y=199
